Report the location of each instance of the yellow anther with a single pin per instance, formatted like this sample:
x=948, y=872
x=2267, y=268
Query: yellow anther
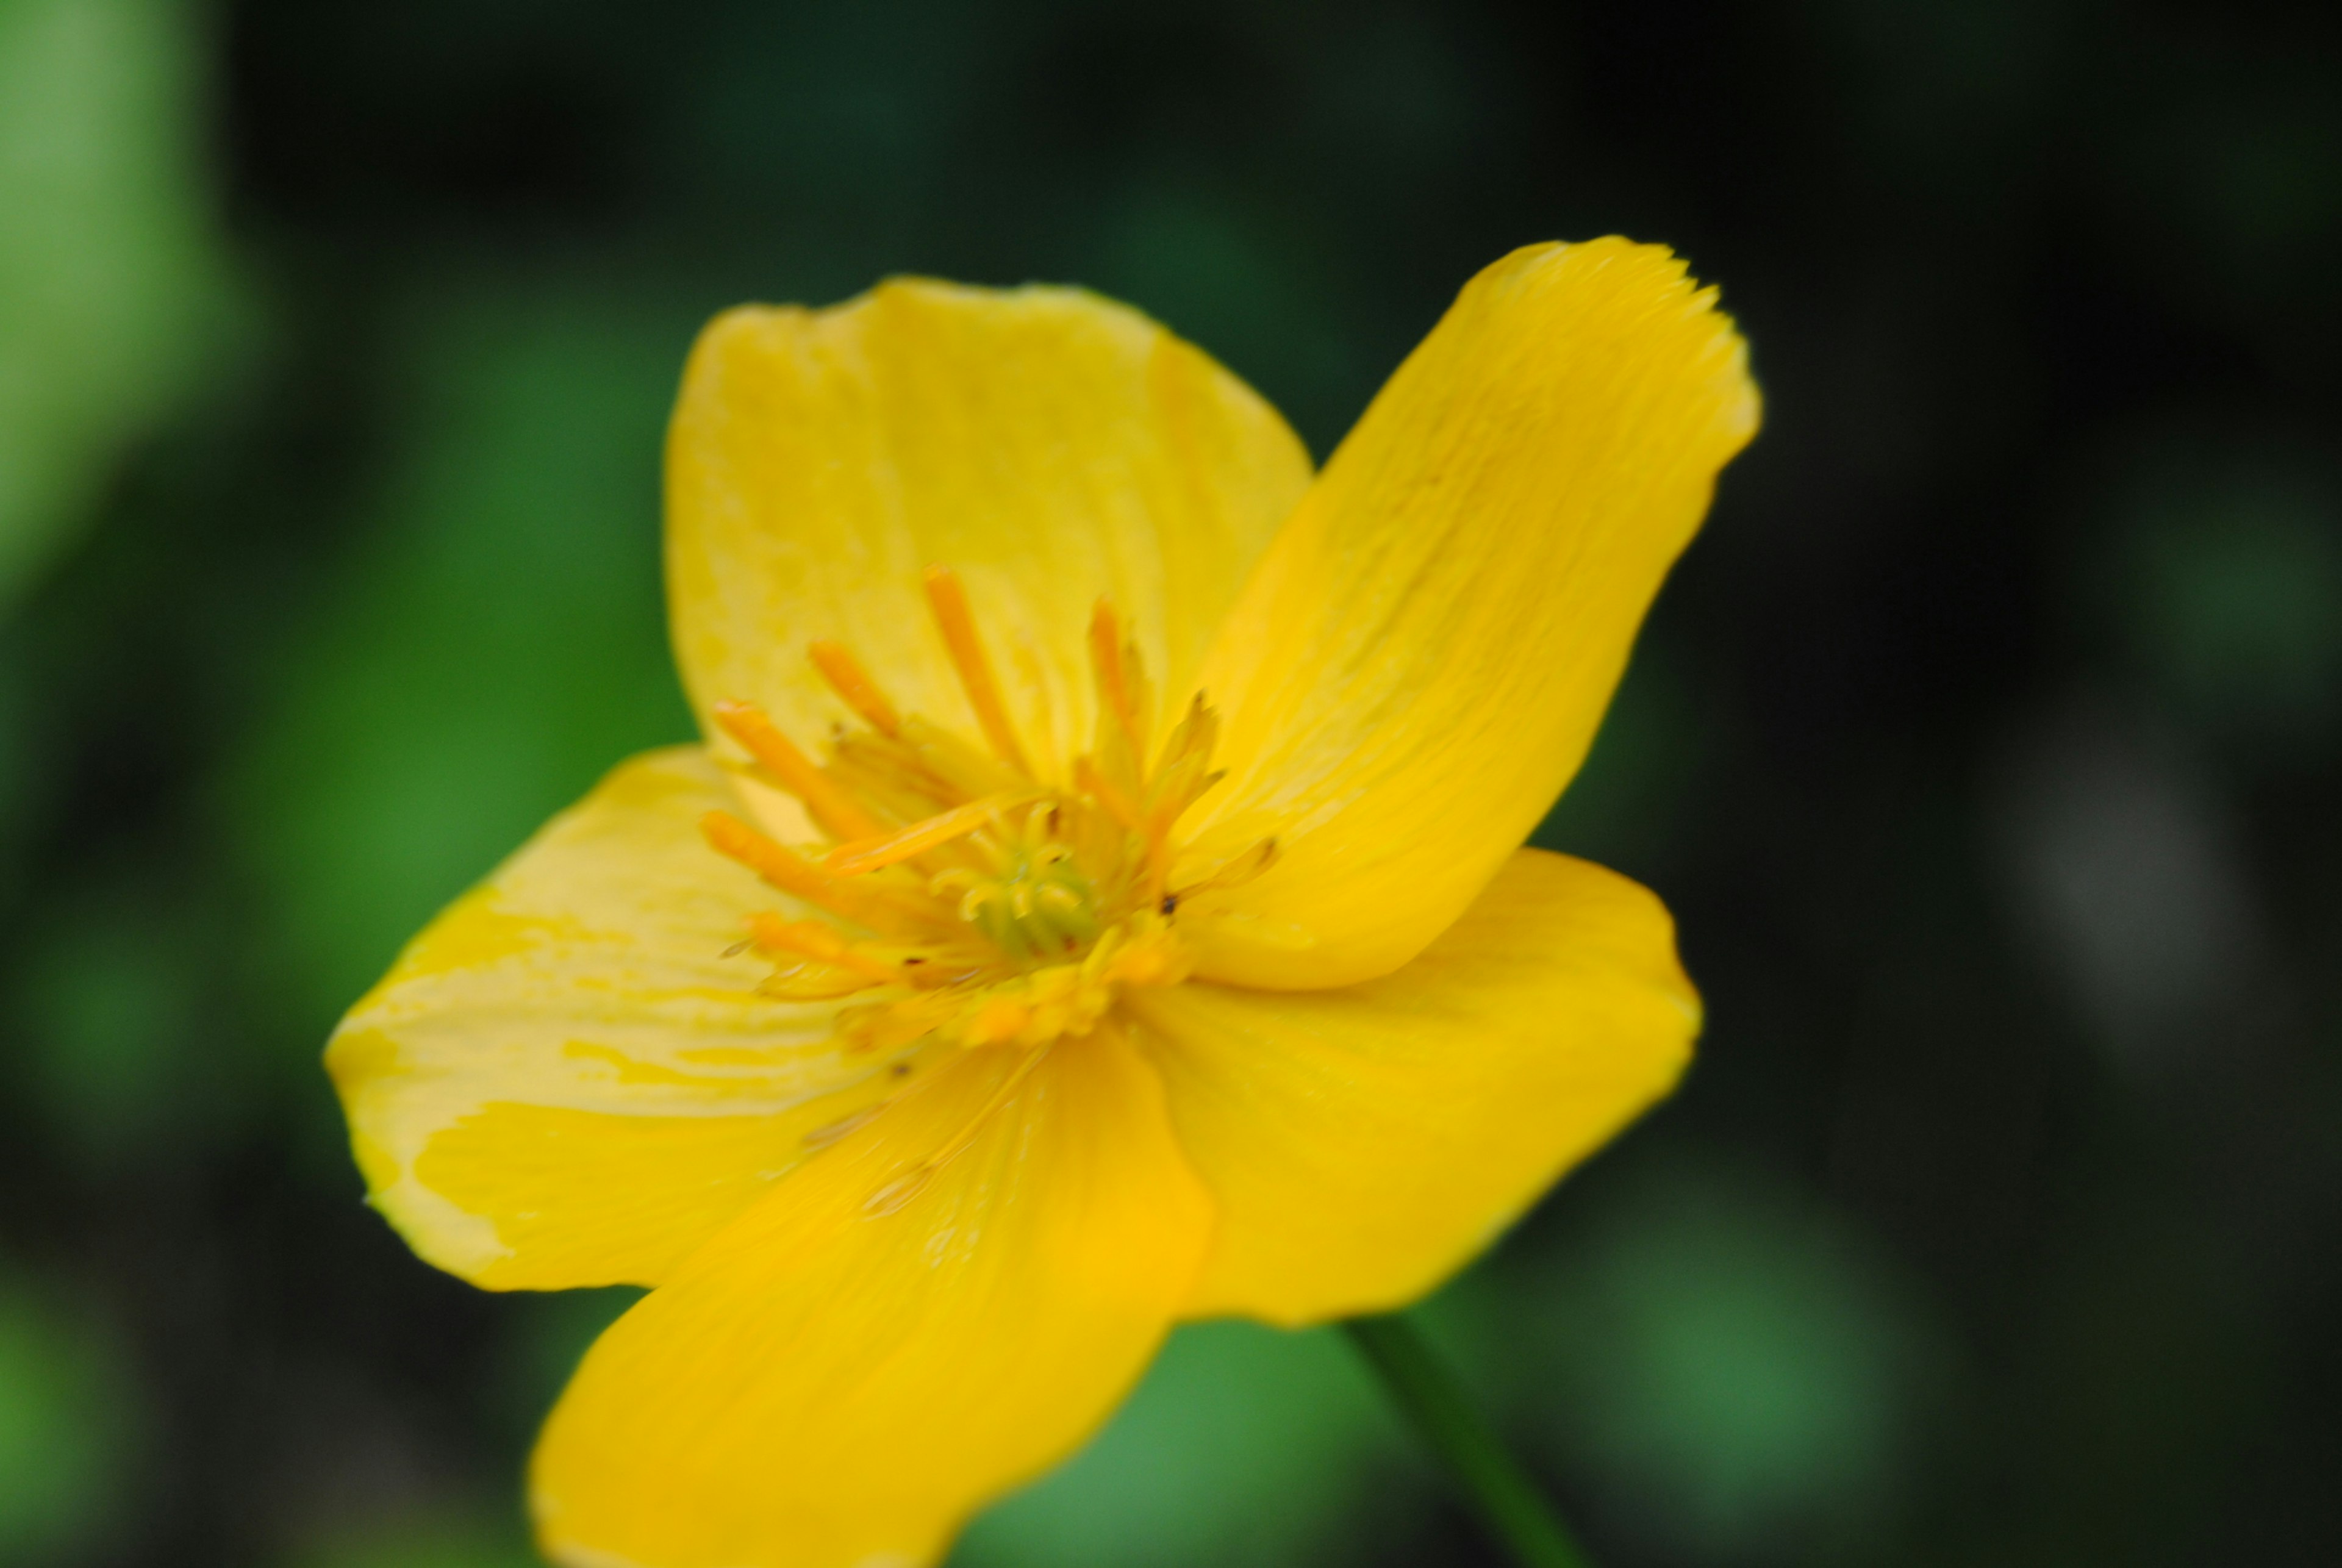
x=835, y=811
x=897, y=1194
x=890, y=1025
x=1093, y=784
x=1024, y=911
x=966, y=770
x=794, y=874
x=893, y=1194
x=948, y=599
x=811, y=939
x=1236, y=872
x=866, y=854
x=829, y=1132
x=996, y=1021
x=849, y=680
x=812, y=982
x=1120, y=686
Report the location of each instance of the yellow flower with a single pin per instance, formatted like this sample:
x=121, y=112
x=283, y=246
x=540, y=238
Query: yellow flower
x=1098, y=903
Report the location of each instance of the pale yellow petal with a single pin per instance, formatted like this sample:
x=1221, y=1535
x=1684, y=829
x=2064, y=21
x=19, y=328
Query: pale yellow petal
x=1424, y=655
x=565, y=1081
x=1046, y=445
x=1362, y=1143
x=834, y=1382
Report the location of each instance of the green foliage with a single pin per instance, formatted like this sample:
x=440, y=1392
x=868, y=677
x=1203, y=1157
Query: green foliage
x=1729, y=1363
x=110, y=995
x=1627, y=805
x=1244, y=1446
x=113, y=289
x=2225, y=573
x=444, y=1538
x=65, y=1426
x=2038, y=296
x=496, y=645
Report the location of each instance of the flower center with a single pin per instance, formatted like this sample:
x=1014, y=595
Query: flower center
x=964, y=900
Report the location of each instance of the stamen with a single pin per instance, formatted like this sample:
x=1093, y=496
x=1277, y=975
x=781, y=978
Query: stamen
x=1021, y=911
x=1114, y=681
x=849, y=680
x=845, y=1126
x=808, y=980
x=835, y=810
x=799, y=877
x=880, y=1027
x=969, y=771
x=829, y=1132
x=814, y=940
x=1235, y=871
x=864, y=854
x=949, y=602
x=888, y=776
x=1091, y=782
x=891, y=1197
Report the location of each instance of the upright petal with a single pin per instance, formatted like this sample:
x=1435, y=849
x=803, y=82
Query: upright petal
x=1046, y=445
x=565, y=1081
x=1421, y=660
x=837, y=1380
x=1362, y=1143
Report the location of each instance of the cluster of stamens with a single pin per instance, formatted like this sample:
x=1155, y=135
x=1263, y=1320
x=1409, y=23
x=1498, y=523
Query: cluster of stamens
x=968, y=901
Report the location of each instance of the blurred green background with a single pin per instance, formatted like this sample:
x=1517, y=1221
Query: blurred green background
x=1988, y=746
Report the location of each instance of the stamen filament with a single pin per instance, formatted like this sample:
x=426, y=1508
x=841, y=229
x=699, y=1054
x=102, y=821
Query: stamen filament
x=866, y=854
x=1114, y=684
x=794, y=874
x=1235, y=871
x=948, y=599
x=835, y=811
x=895, y=1193
x=958, y=899
x=829, y=1132
x=850, y=681
x=811, y=939
x=1091, y=782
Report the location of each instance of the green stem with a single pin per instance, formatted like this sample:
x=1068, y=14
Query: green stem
x=1426, y=1389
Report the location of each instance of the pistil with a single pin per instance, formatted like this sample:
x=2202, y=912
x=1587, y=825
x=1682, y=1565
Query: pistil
x=1001, y=913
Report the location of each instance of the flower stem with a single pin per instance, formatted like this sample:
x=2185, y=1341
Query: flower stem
x=1430, y=1395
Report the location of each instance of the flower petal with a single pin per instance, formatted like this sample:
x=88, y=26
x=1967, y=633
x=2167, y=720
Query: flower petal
x=564, y=1081
x=1046, y=445
x=1363, y=1142
x=833, y=1382
x=1420, y=662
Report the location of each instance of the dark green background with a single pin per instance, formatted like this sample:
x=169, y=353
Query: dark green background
x=1988, y=746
